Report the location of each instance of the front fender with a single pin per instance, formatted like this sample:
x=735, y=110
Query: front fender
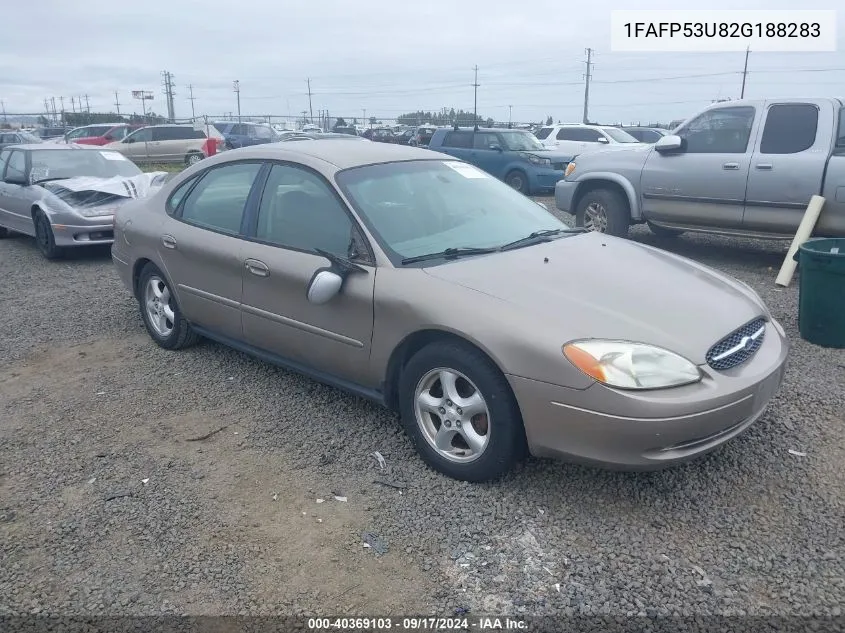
x=627, y=187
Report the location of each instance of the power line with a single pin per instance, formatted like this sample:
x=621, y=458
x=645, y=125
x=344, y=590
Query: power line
x=587, y=78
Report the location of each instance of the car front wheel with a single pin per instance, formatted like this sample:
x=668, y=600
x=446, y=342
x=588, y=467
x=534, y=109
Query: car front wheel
x=603, y=211
x=44, y=237
x=459, y=412
x=160, y=311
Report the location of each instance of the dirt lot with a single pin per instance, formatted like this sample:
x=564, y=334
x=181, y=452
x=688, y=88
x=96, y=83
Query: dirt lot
x=109, y=502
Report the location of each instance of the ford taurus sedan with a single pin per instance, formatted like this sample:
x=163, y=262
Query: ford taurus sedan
x=66, y=195
x=422, y=283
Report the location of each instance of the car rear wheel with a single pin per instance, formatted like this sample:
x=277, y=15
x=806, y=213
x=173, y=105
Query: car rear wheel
x=603, y=211
x=661, y=231
x=160, y=311
x=193, y=158
x=518, y=181
x=44, y=238
x=459, y=412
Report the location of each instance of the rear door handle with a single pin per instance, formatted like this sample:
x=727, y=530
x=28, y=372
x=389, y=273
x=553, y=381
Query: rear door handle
x=257, y=268
x=764, y=166
x=168, y=241
x=730, y=166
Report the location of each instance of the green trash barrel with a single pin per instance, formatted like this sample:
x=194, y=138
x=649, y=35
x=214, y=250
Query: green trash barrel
x=821, y=297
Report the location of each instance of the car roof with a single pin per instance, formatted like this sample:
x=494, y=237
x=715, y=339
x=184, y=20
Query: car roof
x=338, y=152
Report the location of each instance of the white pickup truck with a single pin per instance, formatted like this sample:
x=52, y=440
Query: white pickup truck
x=738, y=168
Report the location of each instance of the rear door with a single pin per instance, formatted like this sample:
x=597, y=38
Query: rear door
x=165, y=145
x=200, y=245
x=300, y=213
x=457, y=143
x=788, y=164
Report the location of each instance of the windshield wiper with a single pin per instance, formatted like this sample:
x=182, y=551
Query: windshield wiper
x=450, y=253
x=38, y=182
x=539, y=236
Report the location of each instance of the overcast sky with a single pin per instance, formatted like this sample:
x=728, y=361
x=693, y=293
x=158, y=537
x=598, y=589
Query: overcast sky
x=385, y=56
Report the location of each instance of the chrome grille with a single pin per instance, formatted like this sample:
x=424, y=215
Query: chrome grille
x=737, y=347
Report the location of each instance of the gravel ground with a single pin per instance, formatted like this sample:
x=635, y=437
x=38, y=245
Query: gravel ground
x=91, y=409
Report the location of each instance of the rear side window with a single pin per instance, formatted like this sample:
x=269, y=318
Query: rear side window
x=458, y=139
x=543, y=133
x=790, y=128
x=218, y=200
x=173, y=133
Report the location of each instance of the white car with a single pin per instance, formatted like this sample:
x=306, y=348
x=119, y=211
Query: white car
x=574, y=138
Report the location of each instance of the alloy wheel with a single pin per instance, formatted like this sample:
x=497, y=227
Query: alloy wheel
x=159, y=306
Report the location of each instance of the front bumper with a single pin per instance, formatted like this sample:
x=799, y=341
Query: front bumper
x=652, y=429
x=100, y=231
x=564, y=194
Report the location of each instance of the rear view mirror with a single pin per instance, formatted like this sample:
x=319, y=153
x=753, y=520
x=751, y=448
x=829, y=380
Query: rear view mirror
x=669, y=143
x=324, y=287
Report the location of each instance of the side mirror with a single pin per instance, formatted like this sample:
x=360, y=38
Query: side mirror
x=497, y=148
x=542, y=204
x=669, y=143
x=16, y=179
x=325, y=286
x=129, y=139
x=602, y=139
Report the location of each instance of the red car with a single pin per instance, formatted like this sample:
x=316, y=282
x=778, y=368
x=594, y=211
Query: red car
x=99, y=134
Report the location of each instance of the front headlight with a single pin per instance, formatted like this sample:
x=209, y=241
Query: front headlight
x=631, y=365
x=537, y=160
x=97, y=211
x=570, y=169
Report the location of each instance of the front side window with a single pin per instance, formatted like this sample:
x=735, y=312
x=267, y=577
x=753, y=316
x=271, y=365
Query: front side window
x=422, y=207
x=719, y=131
x=144, y=135
x=790, y=128
x=4, y=157
x=17, y=165
x=218, y=200
x=485, y=140
x=299, y=210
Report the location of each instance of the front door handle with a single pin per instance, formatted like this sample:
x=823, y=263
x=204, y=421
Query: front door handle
x=764, y=166
x=168, y=241
x=257, y=268
x=730, y=166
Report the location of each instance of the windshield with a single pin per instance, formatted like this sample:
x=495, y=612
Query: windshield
x=420, y=207
x=620, y=136
x=521, y=141
x=73, y=163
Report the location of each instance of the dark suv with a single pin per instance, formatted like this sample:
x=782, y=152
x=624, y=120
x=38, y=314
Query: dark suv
x=246, y=134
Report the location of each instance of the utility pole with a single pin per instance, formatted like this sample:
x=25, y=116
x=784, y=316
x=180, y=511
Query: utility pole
x=87, y=105
x=117, y=103
x=47, y=109
x=191, y=97
x=310, y=108
x=168, y=93
x=510, y=116
x=587, y=78
x=745, y=72
x=62, y=102
x=236, y=85
x=73, y=104
x=475, y=99
x=55, y=114
x=3, y=105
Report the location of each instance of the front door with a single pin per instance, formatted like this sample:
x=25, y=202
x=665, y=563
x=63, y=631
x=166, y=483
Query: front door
x=488, y=153
x=135, y=145
x=704, y=183
x=299, y=214
x=16, y=200
x=200, y=247
x=788, y=165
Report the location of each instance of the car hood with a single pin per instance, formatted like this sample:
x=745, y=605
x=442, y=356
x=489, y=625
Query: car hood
x=552, y=154
x=598, y=286
x=85, y=192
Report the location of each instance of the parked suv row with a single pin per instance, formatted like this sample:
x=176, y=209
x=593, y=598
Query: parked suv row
x=578, y=139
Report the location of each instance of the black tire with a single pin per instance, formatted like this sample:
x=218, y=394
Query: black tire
x=4, y=232
x=615, y=209
x=518, y=180
x=181, y=334
x=661, y=231
x=192, y=158
x=506, y=443
x=44, y=239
